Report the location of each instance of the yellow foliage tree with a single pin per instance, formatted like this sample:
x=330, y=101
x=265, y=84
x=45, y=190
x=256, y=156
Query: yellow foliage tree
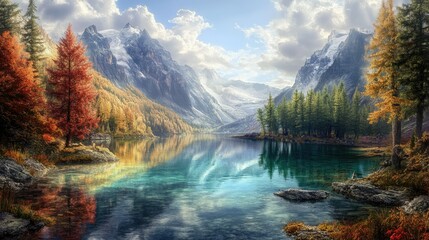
x=382, y=75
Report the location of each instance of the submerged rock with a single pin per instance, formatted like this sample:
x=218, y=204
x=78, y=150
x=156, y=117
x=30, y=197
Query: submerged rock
x=371, y=194
x=85, y=155
x=417, y=205
x=13, y=174
x=302, y=195
x=13, y=228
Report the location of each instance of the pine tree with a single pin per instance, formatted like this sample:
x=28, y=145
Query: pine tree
x=301, y=113
x=9, y=13
x=282, y=111
x=328, y=110
x=414, y=56
x=21, y=100
x=318, y=113
x=71, y=89
x=271, y=116
x=309, y=111
x=261, y=119
x=32, y=37
x=294, y=111
x=340, y=111
x=382, y=76
x=355, y=113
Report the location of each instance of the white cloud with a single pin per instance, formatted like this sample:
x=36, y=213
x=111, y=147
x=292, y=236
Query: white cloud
x=302, y=26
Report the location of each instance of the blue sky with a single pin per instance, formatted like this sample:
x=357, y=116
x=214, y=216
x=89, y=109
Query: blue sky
x=264, y=41
x=224, y=18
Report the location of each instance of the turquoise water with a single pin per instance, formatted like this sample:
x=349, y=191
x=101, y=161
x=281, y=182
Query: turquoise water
x=201, y=187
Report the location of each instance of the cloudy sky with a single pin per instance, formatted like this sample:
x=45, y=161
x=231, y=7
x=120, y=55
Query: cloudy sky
x=259, y=40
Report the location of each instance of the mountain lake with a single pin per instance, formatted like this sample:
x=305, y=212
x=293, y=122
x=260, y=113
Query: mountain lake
x=197, y=187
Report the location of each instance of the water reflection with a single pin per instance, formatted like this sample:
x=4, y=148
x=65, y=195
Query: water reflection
x=311, y=165
x=70, y=207
x=195, y=187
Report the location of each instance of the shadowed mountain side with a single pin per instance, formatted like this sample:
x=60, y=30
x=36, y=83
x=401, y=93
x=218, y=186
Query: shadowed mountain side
x=131, y=58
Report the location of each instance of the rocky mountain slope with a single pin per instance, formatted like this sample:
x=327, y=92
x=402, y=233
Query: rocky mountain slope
x=341, y=59
x=130, y=57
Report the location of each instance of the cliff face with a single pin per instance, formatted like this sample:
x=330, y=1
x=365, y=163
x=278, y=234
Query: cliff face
x=342, y=59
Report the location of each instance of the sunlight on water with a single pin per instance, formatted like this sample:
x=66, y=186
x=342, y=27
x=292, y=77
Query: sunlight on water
x=198, y=187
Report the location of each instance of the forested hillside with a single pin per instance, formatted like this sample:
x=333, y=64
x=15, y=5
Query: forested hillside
x=127, y=111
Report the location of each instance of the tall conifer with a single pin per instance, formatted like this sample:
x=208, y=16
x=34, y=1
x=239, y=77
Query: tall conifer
x=413, y=58
x=382, y=76
x=32, y=36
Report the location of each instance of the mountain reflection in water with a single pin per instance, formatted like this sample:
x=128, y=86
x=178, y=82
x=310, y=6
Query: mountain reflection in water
x=195, y=187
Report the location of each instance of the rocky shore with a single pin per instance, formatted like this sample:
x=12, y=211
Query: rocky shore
x=366, y=192
x=16, y=176
x=80, y=154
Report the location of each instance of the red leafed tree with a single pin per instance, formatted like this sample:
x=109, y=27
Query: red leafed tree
x=71, y=89
x=22, y=102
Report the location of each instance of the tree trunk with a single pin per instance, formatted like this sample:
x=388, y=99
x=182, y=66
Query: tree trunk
x=68, y=139
x=419, y=121
x=396, y=131
x=396, y=136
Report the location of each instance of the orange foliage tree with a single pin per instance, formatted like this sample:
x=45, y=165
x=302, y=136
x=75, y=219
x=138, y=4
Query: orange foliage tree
x=383, y=75
x=22, y=102
x=71, y=89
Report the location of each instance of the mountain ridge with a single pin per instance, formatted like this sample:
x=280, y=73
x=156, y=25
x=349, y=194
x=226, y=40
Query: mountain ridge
x=342, y=59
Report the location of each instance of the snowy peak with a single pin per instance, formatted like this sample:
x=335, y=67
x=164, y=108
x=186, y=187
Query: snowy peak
x=128, y=31
x=341, y=59
x=130, y=57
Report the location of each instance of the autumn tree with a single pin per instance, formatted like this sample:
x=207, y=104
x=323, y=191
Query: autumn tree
x=21, y=100
x=9, y=13
x=32, y=36
x=71, y=89
x=382, y=75
x=413, y=57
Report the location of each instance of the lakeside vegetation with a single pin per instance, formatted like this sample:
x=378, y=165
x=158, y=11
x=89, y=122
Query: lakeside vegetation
x=324, y=114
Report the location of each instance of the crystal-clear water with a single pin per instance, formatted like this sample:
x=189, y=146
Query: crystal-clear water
x=201, y=187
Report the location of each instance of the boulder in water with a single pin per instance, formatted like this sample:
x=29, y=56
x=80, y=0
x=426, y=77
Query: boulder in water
x=302, y=195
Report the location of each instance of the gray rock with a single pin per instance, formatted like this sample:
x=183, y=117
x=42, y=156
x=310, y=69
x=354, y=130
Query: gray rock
x=366, y=192
x=13, y=174
x=37, y=169
x=302, y=195
x=312, y=234
x=417, y=205
x=12, y=227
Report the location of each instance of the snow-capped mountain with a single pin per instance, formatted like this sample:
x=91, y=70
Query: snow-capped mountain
x=341, y=59
x=130, y=57
x=238, y=98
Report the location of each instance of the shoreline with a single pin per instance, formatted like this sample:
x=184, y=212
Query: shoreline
x=363, y=142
